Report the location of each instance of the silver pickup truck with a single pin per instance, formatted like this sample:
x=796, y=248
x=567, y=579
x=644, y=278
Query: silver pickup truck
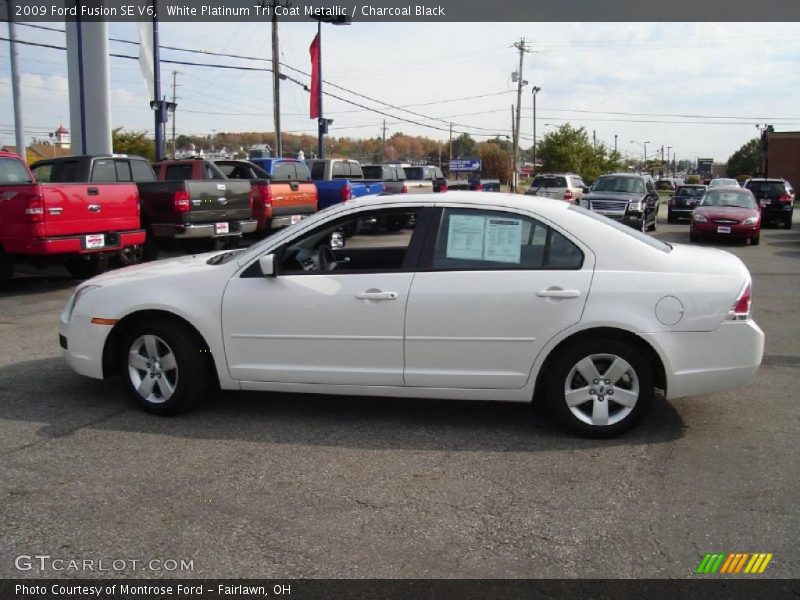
x=393, y=177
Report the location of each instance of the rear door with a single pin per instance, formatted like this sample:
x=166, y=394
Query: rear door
x=494, y=287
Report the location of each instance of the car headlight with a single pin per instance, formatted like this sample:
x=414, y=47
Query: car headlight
x=699, y=218
x=750, y=221
x=72, y=303
x=637, y=206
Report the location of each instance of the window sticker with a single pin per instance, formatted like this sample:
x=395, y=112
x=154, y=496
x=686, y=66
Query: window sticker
x=465, y=237
x=503, y=241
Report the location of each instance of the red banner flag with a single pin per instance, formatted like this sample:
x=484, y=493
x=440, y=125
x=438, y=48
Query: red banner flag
x=315, y=111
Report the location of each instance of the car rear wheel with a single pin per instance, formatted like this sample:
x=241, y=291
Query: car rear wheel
x=6, y=270
x=655, y=223
x=600, y=388
x=755, y=241
x=85, y=266
x=670, y=218
x=787, y=221
x=693, y=237
x=164, y=366
x=131, y=255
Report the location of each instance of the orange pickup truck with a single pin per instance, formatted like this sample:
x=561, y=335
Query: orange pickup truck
x=284, y=192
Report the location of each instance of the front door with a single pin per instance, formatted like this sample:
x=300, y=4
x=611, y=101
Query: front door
x=333, y=314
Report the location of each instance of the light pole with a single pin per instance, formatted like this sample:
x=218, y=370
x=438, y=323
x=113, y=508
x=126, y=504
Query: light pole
x=668, y=149
x=643, y=145
x=323, y=123
x=535, y=89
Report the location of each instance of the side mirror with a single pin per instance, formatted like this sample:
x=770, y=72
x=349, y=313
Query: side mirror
x=337, y=240
x=267, y=264
x=586, y=189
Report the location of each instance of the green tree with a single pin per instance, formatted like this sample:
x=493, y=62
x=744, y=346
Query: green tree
x=746, y=160
x=495, y=161
x=566, y=149
x=133, y=142
x=464, y=146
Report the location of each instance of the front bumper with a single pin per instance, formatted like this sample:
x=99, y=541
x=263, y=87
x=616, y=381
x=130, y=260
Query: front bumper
x=185, y=231
x=709, y=361
x=84, y=343
x=737, y=230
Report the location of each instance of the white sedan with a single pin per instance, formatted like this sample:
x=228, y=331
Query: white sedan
x=477, y=296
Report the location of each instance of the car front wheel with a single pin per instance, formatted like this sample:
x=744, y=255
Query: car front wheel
x=600, y=388
x=164, y=366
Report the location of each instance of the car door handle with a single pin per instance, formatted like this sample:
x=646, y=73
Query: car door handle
x=377, y=295
x=93, y=191
x=555, y=292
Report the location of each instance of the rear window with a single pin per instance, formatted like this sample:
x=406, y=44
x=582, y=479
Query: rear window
x=732, y=198
x=42, y=173
x=549, y=181
x=283, y=172
x=318, y=170
x=178, y=172
x=642, y=237
x=376, y=172
x=766, y=188
x=691, y=192
x=13, y=171
x=414, y=173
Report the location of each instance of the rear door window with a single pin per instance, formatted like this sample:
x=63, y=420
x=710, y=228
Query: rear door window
x=103, y=171
x=142, y=171
x=123, y=170
x=178, y=172
x=43, y=173
x=284, y=172
x=339, y=170
x=318, y=170
x=12, y=171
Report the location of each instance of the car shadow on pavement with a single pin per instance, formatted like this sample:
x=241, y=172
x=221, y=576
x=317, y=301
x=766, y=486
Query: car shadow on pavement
x=48, y=392
x=38, y=284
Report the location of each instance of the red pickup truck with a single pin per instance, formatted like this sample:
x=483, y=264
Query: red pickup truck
x=77, y=224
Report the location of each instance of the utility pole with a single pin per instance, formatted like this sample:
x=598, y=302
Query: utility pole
x=174, y=102
x=383, y=143
x=158, y=100
x=513, y=182
x=594, y=141
x=535, y=90
x=19, y=128
x=615, y=143
x=522, y=47
x=451, y=143
x=276, y=82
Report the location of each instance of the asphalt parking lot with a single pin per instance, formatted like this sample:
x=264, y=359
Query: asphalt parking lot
x=268, y=485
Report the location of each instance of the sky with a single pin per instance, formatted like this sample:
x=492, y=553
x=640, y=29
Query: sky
x=697, y=88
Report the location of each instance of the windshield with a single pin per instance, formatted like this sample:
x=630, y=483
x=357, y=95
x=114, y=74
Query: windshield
x=12, y=171
x=730, y=198
x=549, y=181
x=631, y=185
x=722, y=181
x=642, y=237
x=691, y=192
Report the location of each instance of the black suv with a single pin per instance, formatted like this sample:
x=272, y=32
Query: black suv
x=630, y=199
x=776, y=198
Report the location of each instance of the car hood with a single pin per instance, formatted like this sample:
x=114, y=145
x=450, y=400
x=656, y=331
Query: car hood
x=171, y=268
x=726, y=212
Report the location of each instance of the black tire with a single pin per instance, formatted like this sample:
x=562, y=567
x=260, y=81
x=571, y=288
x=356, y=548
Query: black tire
x=787, y=221
x=6, y=270
x=189, y=379
x=693, y=237
x=150, y=248
x=755, y=241
x=86, y=266
x=636, y=380
x=131, y=255
x=670, y=218
x=655, y=223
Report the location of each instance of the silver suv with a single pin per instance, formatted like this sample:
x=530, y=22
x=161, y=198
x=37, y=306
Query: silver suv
x=559, y=186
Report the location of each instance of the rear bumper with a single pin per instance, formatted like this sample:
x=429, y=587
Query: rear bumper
x=775, y=213
x=115, y=240
x=710, y=361
x=185, y=231
x=681, y=212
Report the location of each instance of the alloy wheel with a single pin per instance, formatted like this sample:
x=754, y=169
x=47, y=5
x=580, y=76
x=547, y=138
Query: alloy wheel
x=601, y=389
x=152, y=368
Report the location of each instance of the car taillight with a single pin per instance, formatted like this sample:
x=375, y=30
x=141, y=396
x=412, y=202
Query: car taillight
x=785, y=198
x=404, y=189
x=568, y=195
x=443, y=187
x=347, y=192
x=741, y=308
x=181, y=201
x=477, y=187
x=34, y=209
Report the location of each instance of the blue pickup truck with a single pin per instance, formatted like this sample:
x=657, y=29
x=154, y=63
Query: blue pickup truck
x=339, y=180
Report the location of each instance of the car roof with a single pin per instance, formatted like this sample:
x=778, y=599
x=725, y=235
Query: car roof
x=478, y=199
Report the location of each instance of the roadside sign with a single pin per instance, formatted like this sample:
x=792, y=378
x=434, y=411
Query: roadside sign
x=465, y=164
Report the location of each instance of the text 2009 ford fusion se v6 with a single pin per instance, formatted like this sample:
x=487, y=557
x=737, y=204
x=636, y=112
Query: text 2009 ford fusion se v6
x=473, y=298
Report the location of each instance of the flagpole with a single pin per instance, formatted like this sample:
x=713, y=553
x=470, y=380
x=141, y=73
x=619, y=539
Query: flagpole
x=320, y=119
x=158, y=103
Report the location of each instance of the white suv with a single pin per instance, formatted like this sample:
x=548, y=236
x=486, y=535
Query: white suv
x=559, y=186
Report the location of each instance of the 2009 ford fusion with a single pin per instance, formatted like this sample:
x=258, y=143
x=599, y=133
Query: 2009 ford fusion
x=477, y=298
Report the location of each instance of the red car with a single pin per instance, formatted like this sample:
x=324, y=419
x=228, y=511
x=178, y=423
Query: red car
x=730, y=212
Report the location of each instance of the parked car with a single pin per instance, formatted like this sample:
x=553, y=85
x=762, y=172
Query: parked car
x=78, y=224
x=723, y=181
x=727, y=211
x=424, y=176
x=683, y=201
x=592, y=315
x=776, y=199
x=339, y=180
x=666, y=184
x=630, y=199
x=282, y=196
x=393, y=177
x=484, y=185
x=559, y=186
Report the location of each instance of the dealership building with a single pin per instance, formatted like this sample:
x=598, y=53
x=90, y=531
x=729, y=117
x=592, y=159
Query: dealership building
x=783, y=154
